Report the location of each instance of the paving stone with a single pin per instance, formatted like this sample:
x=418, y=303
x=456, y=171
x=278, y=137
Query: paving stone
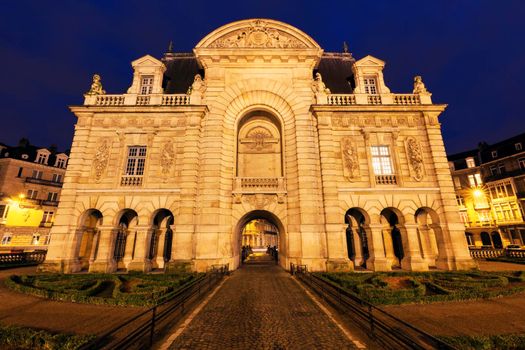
x=261, y=307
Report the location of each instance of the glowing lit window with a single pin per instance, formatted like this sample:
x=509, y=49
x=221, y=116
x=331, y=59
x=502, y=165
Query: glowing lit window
x=146, y=84
x=381, y=160
x=370, y=85
x=470, y=163
x=136, y=160
x=48, y=217
x=475, y=180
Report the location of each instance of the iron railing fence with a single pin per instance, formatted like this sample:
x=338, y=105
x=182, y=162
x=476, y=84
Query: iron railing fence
x=142, y=330
x=386, y=330
x=22, y=258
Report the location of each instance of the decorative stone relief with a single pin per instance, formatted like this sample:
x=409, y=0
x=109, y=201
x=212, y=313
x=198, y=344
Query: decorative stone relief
x=259, y=138
x=344, y=121
x=258, y=35
x=167, y=158
x=350, y=159
x=101, y=160
x=415, y=158
x=259, y=200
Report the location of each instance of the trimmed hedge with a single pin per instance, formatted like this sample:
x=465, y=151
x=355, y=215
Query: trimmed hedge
x=497, y=342
x=13, y=337
x=131, y=289
x=424, y=287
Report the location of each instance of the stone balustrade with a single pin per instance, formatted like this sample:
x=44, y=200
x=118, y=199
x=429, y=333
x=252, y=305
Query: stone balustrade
x=386, y=180
x=139, y=100
x=380, y=99
x=128, y=180
x=259, y=184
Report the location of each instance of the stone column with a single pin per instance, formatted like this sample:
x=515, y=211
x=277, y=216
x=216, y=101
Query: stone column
x=412, y=260
x=94, y=249
x=378, y=260
x=140, y=261
x=337, y=255
x=130, y=247
x=104, y=262
x=159, y=252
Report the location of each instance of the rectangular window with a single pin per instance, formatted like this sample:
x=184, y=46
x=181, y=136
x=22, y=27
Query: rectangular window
x=146, y=84
x=4, y=209
x=381, y=160
x=136, y=160
x=61, y=163
x=48, y=217
x=20, y=171
x=518, y=146
x=459, y=201
x=475, y=180
x=501, y=168
x=32, y=194
x=521, y=163
x=6, y=239
x=370, y=85
x=493, y=170
x=494, y=154
x=57, y=178
x=464, y=217
x=470, y=163
x=457, y=182
x=41, y=158
x=52, y=196
x=37, y=174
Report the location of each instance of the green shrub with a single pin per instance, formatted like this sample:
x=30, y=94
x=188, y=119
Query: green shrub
x=12, y=337
x=498, y=342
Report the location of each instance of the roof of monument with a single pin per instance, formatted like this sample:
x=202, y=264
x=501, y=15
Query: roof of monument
x=335, y=68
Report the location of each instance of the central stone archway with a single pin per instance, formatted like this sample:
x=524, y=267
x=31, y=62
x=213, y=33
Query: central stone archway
x=268, y=225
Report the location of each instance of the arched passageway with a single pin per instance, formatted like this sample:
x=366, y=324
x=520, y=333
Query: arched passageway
x=125, y=238
x=357, y=233
x=161, y=238
x=496, y=240
x=392, y=223
x=485, y=239
x=87, y=245
x=259, y=233
x=430, y=235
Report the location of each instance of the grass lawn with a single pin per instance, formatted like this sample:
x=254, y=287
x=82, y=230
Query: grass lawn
x=12, y=337
x=422, y=287
x=135, y=289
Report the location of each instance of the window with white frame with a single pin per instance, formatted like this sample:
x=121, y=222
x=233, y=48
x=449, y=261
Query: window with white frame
x=493, y=170
x=136, y=160
x=37, y=174
x=57, y=178
x=6, y=239
x=464, y=217
x=518, y=146
x=42, y=158
x=501, y=168
x=494, y=154
x=521, y=163
x=475, y=180
x=61, y=163
x=370, y=85
x=48, y=217
x=381, y=161
x=146, y=84
x=459, y=201
x=470, y=162
x=52, y=196
x=32, y=194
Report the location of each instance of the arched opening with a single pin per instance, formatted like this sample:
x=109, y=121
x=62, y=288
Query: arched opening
x=431, y=242
x=161, y=238
x=496, y=240
x=260, y=238
x=356, y=236
x=87, y=247
x=125, y=238
x=470, y=238
x=485, y=239
x=259, y=146
x=392, y=238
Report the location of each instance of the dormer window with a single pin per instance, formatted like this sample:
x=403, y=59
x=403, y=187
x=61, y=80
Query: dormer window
x=518, y=146
x=42, y=156
x=470, y=162
x=494, y=154
x=146, y=84
x=370, y=85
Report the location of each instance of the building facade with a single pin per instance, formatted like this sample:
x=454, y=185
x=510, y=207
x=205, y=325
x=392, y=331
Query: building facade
x=258, y=122
x=490, y=192
x=30, y=184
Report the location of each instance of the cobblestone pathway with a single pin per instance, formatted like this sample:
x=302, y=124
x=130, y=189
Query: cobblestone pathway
x=261, y=307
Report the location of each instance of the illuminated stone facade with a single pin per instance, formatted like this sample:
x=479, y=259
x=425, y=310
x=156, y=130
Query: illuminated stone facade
x=257, y=123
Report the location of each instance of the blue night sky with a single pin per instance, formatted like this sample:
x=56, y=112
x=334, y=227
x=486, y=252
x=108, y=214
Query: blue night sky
x=468, y=52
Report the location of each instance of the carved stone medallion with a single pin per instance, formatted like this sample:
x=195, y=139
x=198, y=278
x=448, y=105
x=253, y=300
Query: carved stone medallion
x=259, y=200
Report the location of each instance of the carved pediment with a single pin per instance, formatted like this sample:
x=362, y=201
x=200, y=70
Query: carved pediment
x=258, y=33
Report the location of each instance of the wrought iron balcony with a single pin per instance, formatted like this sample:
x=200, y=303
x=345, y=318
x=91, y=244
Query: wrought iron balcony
x=34, y=180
